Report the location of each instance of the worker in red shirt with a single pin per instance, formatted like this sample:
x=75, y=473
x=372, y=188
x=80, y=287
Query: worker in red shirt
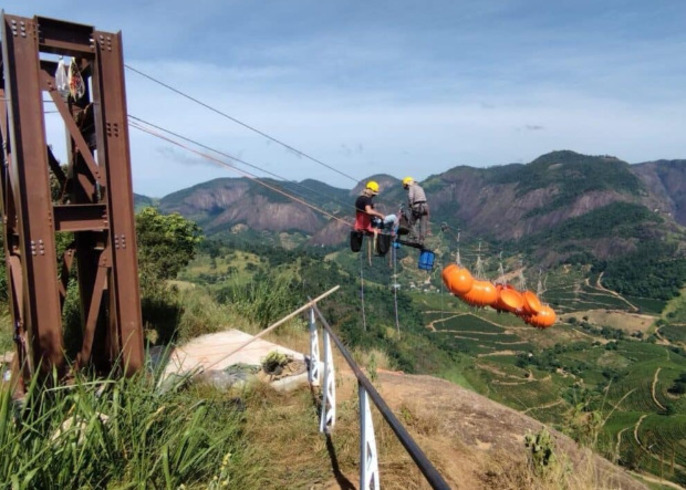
x=364, y=209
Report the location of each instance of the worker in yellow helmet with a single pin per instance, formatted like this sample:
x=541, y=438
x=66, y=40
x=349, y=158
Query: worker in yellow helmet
x=418, y=210
x=371, y=222
x=364, y=208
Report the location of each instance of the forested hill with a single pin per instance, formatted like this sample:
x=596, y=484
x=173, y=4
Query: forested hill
x=567, y=202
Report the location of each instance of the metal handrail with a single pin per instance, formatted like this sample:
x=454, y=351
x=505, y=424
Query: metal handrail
x=428, y=470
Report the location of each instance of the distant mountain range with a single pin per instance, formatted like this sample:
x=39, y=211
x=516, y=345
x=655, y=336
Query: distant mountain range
x=568, y=201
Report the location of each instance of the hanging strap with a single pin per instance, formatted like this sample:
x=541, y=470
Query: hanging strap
x=395, y=289
x=364, y=318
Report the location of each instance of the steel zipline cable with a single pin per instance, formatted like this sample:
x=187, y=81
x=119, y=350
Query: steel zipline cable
x=252, y=177
x=235, y=159
x=241, y=123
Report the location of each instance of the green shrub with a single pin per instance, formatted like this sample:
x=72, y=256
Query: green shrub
x=541, y=455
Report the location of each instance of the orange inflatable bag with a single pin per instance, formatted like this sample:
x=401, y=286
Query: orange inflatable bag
x=482, y=293
x=532, y=304
x=446, y=273
x=543, y=319
x=457, y=279
x=509, y=299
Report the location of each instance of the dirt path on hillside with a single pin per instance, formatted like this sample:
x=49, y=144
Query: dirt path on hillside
x=499, y=353
x=652, y=389
x=474, y=332
x=659, y=481
x=504, y=327
x=543, y=407
x=636, y=426
x=660, y=339
x=619, y=440
x=432, y=325
x=523, y=380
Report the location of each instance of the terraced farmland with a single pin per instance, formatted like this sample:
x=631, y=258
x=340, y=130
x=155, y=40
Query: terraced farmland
x=601, y=350
x=674, y=333
x=605, y=353
x=658, y=445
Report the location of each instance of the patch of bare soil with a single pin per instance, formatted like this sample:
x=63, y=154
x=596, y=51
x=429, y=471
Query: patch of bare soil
x=629, y=322
x=468, y=437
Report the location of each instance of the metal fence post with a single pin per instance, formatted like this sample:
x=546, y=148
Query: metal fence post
x=328, y=416
x=313, y=373
x=369, y=467
x=369, y=460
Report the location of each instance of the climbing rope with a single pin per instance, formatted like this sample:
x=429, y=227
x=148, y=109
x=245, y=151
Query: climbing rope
x=364, y=317
x=395, y=287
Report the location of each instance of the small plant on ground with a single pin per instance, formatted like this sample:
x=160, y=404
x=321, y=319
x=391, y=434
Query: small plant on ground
x=371, y=368
x=274, y=362
x=541, y=455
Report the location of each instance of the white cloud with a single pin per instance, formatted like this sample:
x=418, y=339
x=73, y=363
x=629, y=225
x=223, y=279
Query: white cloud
x=395, y=86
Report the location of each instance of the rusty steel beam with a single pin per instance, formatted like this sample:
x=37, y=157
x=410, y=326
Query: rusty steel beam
x=80, y=217
x=31, y=189
x=112, y=132
x=99, y=286
x=65, y=38
x=20, y=367
x=67, y=262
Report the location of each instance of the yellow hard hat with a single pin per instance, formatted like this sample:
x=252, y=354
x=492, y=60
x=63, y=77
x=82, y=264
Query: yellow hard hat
x=407, y=180
x=373, y=186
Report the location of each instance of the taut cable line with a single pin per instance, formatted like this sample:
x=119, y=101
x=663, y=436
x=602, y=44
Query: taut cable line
x=237, y=121
x=240, y=171
x=234, y=158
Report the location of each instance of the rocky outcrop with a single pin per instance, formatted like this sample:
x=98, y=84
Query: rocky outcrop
x=666, y=181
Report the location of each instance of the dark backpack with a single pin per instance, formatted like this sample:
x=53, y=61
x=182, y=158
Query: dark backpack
x=383, y=243
x=356, y=238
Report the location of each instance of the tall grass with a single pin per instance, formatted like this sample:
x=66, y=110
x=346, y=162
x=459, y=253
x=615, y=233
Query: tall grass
x=263, y=300
x=121, y=433
x=201, y=314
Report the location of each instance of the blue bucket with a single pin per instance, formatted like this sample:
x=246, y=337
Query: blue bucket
x=426, y=260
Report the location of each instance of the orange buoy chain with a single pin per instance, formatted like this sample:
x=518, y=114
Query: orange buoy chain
x=501, y=297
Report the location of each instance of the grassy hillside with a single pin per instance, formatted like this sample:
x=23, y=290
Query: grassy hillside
x=608, y=383
x=592, y=375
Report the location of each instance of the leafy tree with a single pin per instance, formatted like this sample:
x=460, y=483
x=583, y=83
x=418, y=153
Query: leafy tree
x=166, y=243
x=656, y=270
x=679, y=386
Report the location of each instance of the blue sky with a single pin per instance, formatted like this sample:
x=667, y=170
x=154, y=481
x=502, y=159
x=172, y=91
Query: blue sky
x=397, y=87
